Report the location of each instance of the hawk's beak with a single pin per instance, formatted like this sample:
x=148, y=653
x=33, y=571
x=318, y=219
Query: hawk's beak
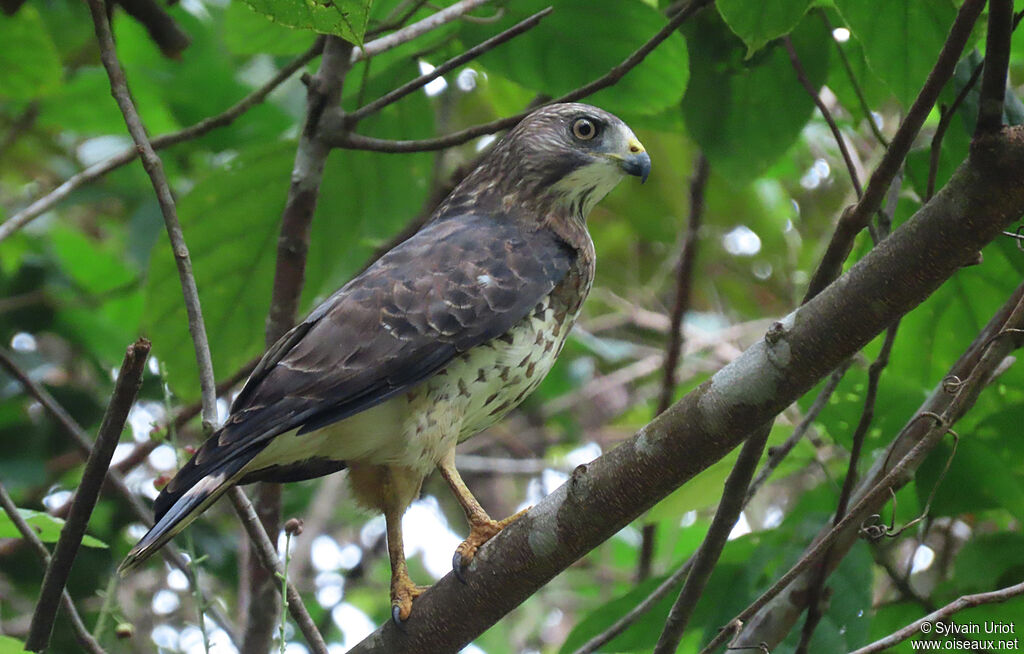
x=637, y=162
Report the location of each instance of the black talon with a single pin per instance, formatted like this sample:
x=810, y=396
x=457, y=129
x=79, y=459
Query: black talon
x=459, y=567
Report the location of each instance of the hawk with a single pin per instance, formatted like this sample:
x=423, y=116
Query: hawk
x=437, y=340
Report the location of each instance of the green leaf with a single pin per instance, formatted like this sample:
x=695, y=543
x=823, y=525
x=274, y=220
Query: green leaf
x=246, y=32
x=901, y=38
x=757, y=23
x=989, y=561
x=344, y=18
x=575, y=45
x=10, y=645
x=46, y=527
x=745, y=113
x=29, y=63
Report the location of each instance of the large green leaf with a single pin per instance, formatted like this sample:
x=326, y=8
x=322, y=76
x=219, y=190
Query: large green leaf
x=10, y=645
x=29, y=63
x=745, y=113
x=45, y=525
x=344, y=18
x=901, y=38
x=757, y=23
x=577, y=43
x=246, y=32
x=231, y=220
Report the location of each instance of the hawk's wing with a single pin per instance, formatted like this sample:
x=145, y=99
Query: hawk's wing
x=457, y=283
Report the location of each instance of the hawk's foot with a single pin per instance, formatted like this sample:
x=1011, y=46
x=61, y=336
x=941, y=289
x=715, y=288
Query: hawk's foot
x=482, y=529
x=403, y=592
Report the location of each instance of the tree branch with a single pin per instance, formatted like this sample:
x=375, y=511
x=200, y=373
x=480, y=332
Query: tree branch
x=451, y=64
x=857, y=218
x=129, y=380
x=164, y=31
x=114, y=479
x=770, y=622
x=126, y=156
x=336, y=134
x=608, y=493
x=942, y=615
x=997, y=62
x=154, y=168
x=324, y=94
x=801, y=75
x=854, y=83
x=268, y=558
x=82, y=634
x=814, y=609
x=729, y=508
x=416, y=30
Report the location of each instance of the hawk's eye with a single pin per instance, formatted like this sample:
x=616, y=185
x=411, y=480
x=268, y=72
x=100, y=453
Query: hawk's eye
x=584, y=129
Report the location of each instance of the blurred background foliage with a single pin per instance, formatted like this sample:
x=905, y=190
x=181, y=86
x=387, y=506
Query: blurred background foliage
x=86, y=278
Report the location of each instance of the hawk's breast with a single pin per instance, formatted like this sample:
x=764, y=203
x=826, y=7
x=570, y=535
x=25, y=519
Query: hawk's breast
x=486, y=382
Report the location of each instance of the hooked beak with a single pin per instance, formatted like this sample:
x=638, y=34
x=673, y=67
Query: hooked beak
x=637, y=162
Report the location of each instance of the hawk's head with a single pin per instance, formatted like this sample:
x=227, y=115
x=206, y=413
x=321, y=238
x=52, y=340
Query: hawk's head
x=569, y=154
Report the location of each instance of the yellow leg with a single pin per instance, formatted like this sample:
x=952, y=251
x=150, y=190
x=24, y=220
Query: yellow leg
x=482, y=527
x=403, y=590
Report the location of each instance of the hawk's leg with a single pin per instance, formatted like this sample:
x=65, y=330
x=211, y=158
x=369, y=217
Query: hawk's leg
x=482, y=527
x=403, y=590
x=390, y=489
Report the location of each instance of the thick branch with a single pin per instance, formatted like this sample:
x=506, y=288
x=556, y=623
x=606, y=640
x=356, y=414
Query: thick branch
x=129, y=380
x=82, y=634
x=164, y=31
x=984, y=195
x=858, y=217
x=154, y=168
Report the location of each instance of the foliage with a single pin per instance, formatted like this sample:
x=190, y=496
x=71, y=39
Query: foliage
x=86, y=278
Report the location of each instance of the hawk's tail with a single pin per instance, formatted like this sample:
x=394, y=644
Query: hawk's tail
x=179, y=504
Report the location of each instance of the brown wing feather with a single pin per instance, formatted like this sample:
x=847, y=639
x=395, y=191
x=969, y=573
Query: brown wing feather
x=457, y=283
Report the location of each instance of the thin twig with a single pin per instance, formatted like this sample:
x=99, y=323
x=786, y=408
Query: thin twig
x=855, y=84
x=129, y=380
x=857, y=218
x=684, y=281
x=997, y=61
x=942, y=615
x=342, y=138
x=126, y=156
x=451, y=64
x=777, y=454
x=82, y=635
x=728, y=512
x=638, y=611
x=154, y=168
x=801, y=75
x=817, y=589
x=415, y=30
x=680, y=306
x=114, y=480
x=268, y=557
